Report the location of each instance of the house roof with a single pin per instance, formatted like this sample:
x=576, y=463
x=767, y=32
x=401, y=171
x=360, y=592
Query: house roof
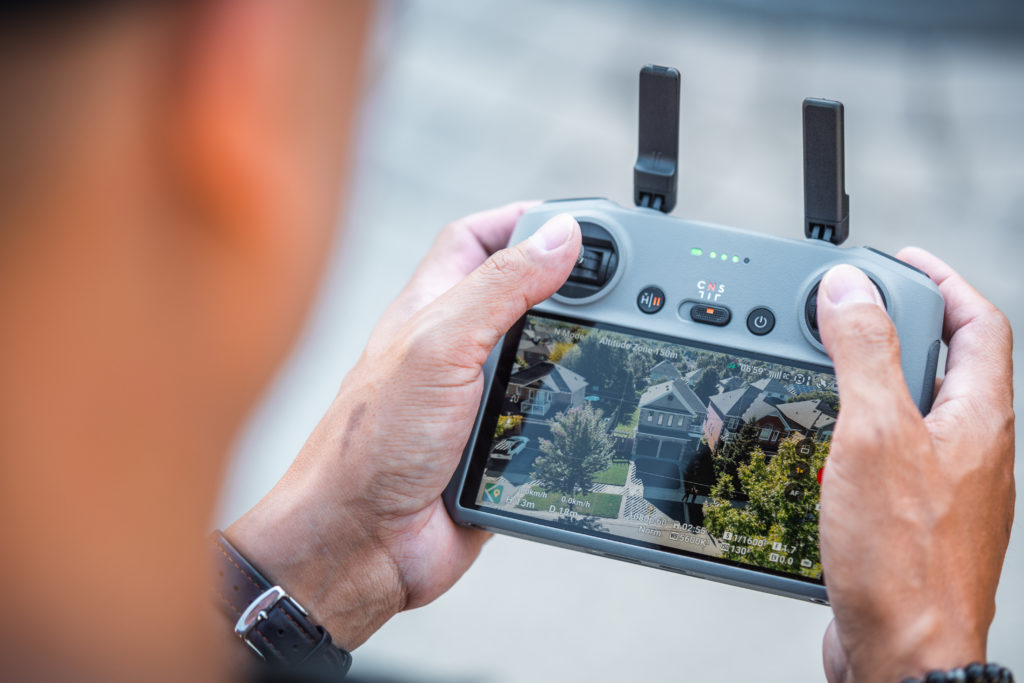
x=731, y=383
x=807, y=415
x=746, y=404
x=539, y=349
x=665, y=369
x=550, y=376
x=694, y=376
x=677, y=389
x=770, y=385
x=734, y=403
x=760, y=407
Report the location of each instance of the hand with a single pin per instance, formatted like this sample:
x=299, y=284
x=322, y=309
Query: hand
x=915, y=512
x=356, y=530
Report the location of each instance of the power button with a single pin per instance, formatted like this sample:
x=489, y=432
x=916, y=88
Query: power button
x=760, y=321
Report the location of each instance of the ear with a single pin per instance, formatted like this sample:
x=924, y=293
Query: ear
x=261, y=108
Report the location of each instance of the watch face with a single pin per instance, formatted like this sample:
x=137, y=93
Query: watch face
x=657, y=442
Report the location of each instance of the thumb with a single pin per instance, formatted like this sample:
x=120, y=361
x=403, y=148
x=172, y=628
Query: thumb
x=833, y=655
x=861, y=340
x=477, y=311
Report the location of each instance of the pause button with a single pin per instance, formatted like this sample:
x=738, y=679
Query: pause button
x=650, y=299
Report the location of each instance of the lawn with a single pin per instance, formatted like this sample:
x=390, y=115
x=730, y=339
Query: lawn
x=616, y=474
x=601, y=504
x=628, y=425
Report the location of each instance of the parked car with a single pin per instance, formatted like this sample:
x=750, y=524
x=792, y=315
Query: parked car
x=508, y=447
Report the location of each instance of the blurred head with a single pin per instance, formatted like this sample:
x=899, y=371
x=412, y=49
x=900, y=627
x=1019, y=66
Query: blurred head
x=169, y=184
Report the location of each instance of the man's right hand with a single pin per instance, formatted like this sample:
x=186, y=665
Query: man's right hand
x=915, y=512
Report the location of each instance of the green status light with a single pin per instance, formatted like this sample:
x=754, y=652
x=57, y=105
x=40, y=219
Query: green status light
x=697, y=251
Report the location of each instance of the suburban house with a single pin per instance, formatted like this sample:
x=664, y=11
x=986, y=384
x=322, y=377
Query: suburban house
x=814, y=418
x=544, y=388
x=730, y=384
x=771, y=429
x=664, y=371
x=729, y=411
x=670, y=421
x=771, y=389
x=535, y=353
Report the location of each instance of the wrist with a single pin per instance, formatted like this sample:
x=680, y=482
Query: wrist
x=322, y=554
x=913, y=645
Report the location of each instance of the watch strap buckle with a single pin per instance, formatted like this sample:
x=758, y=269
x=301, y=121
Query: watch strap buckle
x=258, y=610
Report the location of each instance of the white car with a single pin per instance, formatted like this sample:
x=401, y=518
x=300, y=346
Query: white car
x=507, y=447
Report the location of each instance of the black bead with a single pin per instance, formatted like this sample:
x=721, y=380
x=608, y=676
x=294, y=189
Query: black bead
x=975, y=673
x=935, y=677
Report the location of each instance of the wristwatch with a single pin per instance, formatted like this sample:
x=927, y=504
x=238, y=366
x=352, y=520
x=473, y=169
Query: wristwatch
x=271, y=622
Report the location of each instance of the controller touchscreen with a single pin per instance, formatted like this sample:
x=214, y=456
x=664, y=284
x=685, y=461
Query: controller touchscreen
x=658, y=442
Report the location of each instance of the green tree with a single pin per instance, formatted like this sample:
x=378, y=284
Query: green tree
x=707, y=386
x=735, y=453
x=508, y=423
x=580, y=447
x=771, y=515
x=619, y=372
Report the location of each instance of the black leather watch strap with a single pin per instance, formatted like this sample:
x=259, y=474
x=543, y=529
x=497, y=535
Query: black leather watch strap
x=268, y=620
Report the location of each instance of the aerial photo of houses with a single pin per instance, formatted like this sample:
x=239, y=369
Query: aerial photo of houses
x=663, y=443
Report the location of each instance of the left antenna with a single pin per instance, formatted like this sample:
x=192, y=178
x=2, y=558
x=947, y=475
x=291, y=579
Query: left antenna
x=655, y=175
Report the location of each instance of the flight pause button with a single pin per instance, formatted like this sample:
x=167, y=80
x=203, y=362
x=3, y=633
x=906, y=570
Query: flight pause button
x=760, y=321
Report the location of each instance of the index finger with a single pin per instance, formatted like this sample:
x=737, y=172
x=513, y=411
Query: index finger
x=977, y=333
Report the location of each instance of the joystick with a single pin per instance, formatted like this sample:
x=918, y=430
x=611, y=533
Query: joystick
x=612, y=411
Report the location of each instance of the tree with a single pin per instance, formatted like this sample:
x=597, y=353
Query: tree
x=508, y=423
x=618, y=371
x=707, y=386
x=736, y=452
x=560, y=349
x=580, y=447
x=781, y=508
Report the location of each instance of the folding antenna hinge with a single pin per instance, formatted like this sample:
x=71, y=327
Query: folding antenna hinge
x=656, y=171
x=826, y=204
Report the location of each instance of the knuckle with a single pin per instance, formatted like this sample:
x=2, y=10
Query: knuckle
x=504, y=264
x=453, y=230
x=997, y=326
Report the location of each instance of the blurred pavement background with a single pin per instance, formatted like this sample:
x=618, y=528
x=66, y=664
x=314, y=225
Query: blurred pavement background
x=475, y=103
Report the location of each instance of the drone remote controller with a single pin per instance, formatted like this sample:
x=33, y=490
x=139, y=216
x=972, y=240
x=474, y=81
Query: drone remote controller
x=673, y=405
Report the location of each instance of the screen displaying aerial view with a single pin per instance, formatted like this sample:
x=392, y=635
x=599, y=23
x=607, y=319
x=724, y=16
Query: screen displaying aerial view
x=662, y=443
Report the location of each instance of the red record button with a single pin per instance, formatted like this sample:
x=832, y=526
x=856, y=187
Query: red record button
x=710, y=315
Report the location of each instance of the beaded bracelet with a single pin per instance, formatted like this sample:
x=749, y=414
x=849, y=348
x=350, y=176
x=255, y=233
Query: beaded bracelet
x=972, y=673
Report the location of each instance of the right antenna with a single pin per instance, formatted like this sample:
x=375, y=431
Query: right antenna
x=826, y=204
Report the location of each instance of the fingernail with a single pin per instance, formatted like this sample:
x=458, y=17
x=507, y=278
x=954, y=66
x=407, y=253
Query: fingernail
x=846, y=285
x=554, y=233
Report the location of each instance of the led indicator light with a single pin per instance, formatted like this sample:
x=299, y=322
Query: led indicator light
x=710, y=311
x=696, y=252
x=724, y=256
x=735, y=259
x=713, y=255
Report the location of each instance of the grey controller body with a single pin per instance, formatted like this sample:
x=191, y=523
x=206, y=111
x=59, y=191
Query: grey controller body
x=757, y=272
